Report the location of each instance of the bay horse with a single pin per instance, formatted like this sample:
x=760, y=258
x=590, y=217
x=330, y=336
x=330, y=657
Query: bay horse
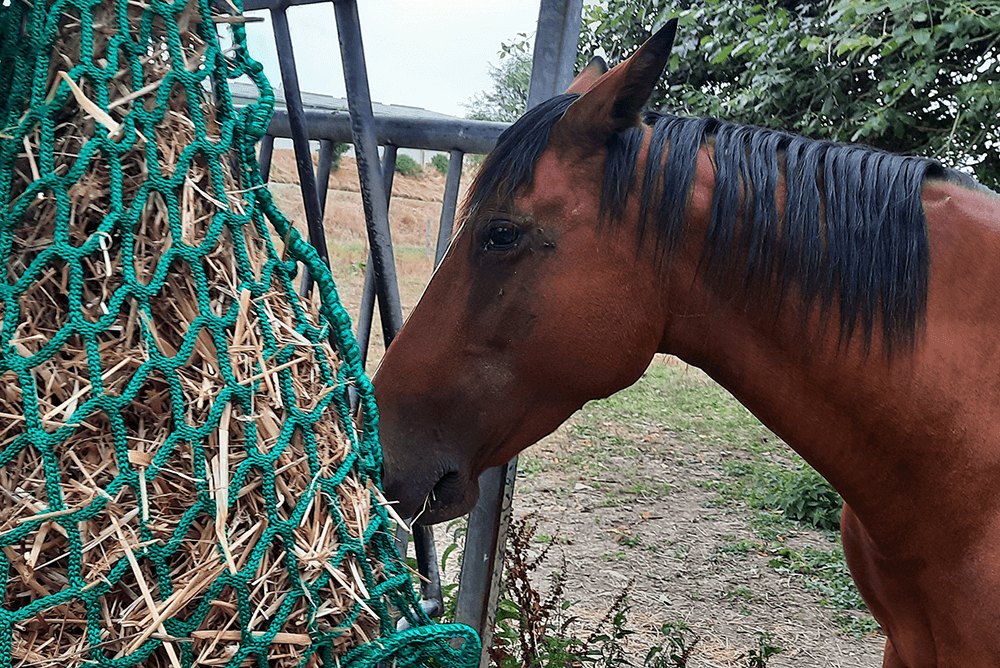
x=848, y=297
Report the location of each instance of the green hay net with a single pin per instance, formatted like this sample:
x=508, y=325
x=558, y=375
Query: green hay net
x=181, y=481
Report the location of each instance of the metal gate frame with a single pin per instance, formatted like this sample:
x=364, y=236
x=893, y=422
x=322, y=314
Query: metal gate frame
x=552, y=70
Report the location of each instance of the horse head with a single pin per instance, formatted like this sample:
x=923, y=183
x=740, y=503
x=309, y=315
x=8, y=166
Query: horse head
x=536, y=308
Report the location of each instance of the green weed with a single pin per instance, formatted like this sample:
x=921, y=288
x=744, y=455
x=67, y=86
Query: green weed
x=803, y=495
x=855, y=625
x=681, y=551
x=739, y=549
x=632, y=540
x=824, y=572
x=677, y=649
x=740, y=593
x=456, y=529
x=757, y=658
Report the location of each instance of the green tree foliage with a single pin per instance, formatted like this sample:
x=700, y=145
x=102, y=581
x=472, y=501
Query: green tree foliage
x=509, y=96
x=407, y=166
x=440, y=163
x=339, y=148
x=909, y=76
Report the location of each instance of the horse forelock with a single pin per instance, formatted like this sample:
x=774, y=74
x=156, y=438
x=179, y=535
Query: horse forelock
x=511, y=164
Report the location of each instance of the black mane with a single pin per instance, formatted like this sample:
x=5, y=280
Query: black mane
x=853, y=231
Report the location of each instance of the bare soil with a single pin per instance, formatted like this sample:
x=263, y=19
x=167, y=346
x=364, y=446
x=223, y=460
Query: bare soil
x=671, y=543
x=669, y=540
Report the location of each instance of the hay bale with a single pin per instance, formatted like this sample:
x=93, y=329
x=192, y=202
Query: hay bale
x=179, y=478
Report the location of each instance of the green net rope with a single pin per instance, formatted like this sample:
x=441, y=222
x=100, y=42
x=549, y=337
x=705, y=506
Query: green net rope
x=34, y=100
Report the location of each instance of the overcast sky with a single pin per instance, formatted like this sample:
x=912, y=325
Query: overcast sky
x=433, y=54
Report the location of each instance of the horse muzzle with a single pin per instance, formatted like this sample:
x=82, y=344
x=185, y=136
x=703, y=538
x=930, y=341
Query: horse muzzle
x=430, y=500
x=429, y=464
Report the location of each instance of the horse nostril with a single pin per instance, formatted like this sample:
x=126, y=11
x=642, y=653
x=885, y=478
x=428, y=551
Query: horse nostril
x=446, y=488
x=453, y=494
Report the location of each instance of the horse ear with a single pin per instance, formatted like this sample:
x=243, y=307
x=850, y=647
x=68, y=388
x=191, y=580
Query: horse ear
x=588, y=75
x=613, y=103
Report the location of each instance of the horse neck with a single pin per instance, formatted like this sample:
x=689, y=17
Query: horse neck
x=858, y=417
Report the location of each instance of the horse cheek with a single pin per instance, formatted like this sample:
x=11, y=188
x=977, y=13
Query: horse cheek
x=594, y=341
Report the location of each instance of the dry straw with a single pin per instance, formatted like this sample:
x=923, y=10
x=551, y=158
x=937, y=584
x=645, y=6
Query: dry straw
x=164, y=478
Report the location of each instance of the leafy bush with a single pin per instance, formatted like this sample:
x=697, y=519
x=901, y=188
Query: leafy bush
x=840, y=69
x=407, y=166
x=440, y=163
x=339, y=148
x=803, y=495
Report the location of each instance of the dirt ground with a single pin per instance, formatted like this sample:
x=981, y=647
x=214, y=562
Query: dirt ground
x=679, y=565
x=673, y=546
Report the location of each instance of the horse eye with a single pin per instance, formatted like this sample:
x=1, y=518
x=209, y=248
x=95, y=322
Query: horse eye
x=502, y=235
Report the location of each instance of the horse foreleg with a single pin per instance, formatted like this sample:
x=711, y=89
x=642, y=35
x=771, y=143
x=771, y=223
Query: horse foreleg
x=890, y=659
x=859, y=555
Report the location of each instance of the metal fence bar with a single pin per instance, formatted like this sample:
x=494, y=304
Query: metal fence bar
x=449, y=204
x=430, y=134
x=322, y=184
x=255, y=5
x=373, y=196
x=323, y=168
x=266, y=149
x=482, y=564
x=375, y=200
x=482, y=561
x=554, y=59
x=300, y=139
x=366, y=313
x=389, y=152
x=431, y=594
